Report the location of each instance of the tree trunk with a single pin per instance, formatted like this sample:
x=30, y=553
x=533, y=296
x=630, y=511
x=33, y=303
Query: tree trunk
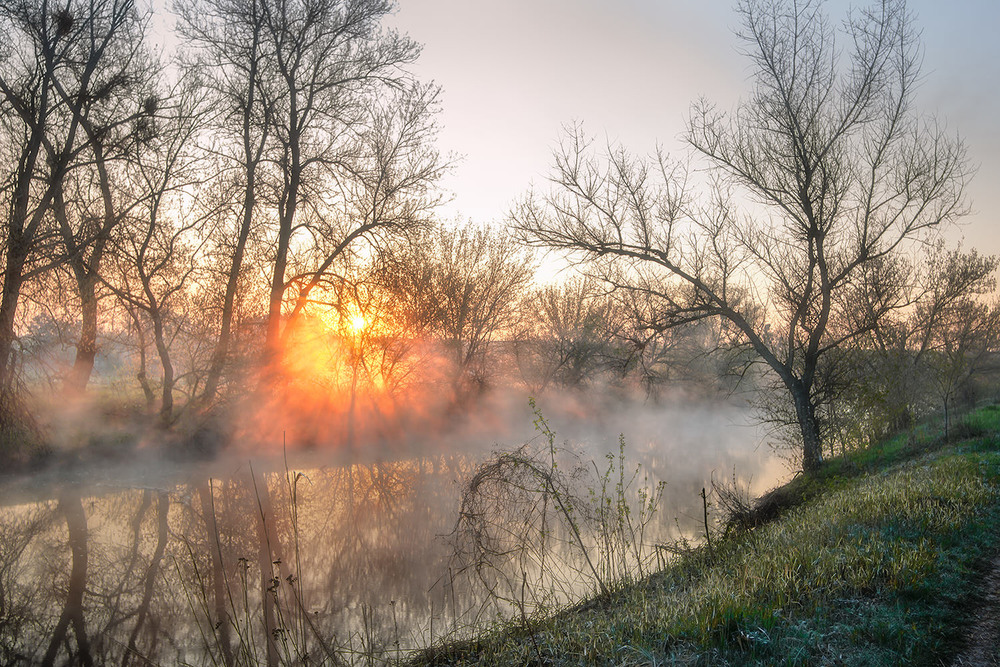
x=287, y=215
x=812, y=446
x=86, y=270
x=72, y=615
x=947, y=421
x=277, y=294
x=352, y=406
x=287, y=205
x=167, y=393
x=86, y=346
x=142, y=376
x=222, y=620
x=267, y=554
x=12, y=282
x=149, y=581
x=221, y=352
x=20, y=236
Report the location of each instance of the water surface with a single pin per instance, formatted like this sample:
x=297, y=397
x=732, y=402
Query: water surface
x=310, y=558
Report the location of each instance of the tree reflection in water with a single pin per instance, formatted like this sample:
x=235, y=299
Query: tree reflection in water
x=259, y=568
x=325, y=566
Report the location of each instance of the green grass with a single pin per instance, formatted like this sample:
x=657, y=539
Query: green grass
x=872, y=563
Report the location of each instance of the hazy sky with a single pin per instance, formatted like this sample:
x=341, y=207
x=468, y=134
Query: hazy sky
x=514, y=71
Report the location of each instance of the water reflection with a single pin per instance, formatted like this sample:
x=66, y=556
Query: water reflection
x=280, y=565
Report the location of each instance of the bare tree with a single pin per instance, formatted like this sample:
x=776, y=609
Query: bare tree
x=659, y=357
x=933, y=346
x=969, y=336
x=327, y=134
x=835, y=171
x=95, y=205
x=462, y=286
x=158, y=247
x=387, y=193
x=61, y=80
x=229, y=58
x=328, y=61
x=565, y=334
x=949, y=333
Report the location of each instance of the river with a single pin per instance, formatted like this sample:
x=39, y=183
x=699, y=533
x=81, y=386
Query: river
x=314, y=557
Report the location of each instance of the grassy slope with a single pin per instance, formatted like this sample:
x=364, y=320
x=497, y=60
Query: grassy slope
x=876, y=563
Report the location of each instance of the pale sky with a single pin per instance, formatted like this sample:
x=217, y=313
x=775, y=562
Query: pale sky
x=514, y=71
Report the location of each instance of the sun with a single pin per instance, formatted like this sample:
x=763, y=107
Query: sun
x=357, y=322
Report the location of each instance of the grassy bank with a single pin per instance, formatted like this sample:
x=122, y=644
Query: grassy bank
x=875, y=561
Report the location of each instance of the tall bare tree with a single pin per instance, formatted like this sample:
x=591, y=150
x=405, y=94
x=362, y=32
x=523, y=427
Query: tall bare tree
x=386, y=195
x=64, y=67
x=328, y=63
x=229, y=57
x=89, y=204
x=835, y=173
x=330, y=138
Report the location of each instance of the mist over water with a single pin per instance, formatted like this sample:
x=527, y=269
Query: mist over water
x=330, y=551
